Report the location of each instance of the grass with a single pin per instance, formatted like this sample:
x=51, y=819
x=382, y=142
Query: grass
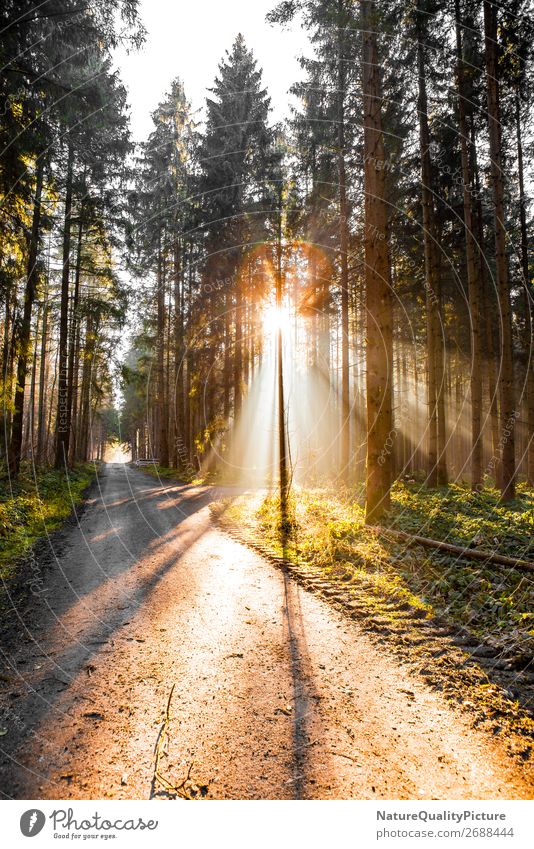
x=397, y=582
x=34, y=506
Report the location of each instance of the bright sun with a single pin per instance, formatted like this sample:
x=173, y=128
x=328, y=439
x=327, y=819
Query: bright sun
x=274, y=319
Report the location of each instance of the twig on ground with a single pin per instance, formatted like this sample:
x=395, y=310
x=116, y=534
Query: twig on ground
x=342, y=755
x=178, y=789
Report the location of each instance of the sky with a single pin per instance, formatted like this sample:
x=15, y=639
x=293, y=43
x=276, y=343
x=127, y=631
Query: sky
x=188, y=39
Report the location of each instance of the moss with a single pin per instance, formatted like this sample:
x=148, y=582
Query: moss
x=462, y=517
x=35, y=505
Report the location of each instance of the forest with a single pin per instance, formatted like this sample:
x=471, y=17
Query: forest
x=393, y=209
x=392, y=206
x=328, y=318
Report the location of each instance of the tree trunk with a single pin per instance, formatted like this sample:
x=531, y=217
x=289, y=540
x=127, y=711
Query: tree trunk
x=43, y=376
x=238, y=355
x=179, y=444
x=473, y=280
x=377, y=279
x=85, y=395
x=443, y=476
x=508, y=412
x=75, y=401
x=6, y=374
x=48, y=429
x=528, y=342
x=163, y=447
x=282, y=437
x=437, y=473
x=63, y=423
x=343, y=251
x=190, y=360
x=25, y=328
x=28, y=442
x=227, y=361
x=71, y=388
x=488, y=311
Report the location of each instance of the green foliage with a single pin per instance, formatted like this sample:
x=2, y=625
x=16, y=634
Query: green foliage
x=493, y=601
x=36, y=505
x=65, y=119
x=462, y=517
x=109, y=418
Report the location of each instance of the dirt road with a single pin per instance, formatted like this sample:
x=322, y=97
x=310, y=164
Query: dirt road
x=277, y=694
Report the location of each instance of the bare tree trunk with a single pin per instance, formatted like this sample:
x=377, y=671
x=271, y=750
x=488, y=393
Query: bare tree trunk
x=179, y=444
x=343, y=251
x=528, y=341
x=28, y=443
x=43, y=375
x=163, y=447
x=24, y=338
x=473, y=280
x=190, y=366
x=443, y=476
x=168, y=400
x=377, y=279
x=249, y=339
x=75, y=402
x=492, y=377
x=85, y=395
x=488, y=311
x=227, y=362
x=506, y=379
x=282, y=437
x=71, y=389
x=49, y=445
x=63, y=423
x=6, y=374
x=436, y=461
x=238, y=354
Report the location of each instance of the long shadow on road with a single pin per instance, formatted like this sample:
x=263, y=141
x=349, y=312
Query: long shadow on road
x=79, y=615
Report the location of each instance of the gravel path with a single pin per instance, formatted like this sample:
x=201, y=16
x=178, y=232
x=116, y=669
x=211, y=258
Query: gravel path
x=277, y=694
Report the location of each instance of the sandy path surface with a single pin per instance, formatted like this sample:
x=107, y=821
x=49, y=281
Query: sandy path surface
x=277, y=694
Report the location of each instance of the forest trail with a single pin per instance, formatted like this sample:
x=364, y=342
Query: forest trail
x=277, y=694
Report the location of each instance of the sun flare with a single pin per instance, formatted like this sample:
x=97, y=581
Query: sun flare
x=275, y=318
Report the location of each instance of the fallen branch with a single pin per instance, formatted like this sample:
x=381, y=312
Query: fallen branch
x=179, y=789
x=470, y=553
x=342, y=755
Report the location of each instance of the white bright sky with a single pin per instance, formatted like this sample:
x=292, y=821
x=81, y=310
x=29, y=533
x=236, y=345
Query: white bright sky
x=188, y=39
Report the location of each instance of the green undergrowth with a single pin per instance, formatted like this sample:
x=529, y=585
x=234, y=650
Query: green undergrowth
x=34, y=505
x=326, y=531
x=459, y=516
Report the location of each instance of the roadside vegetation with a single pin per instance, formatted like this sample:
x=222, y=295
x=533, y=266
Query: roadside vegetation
x=33, y=506
x=395, y=581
